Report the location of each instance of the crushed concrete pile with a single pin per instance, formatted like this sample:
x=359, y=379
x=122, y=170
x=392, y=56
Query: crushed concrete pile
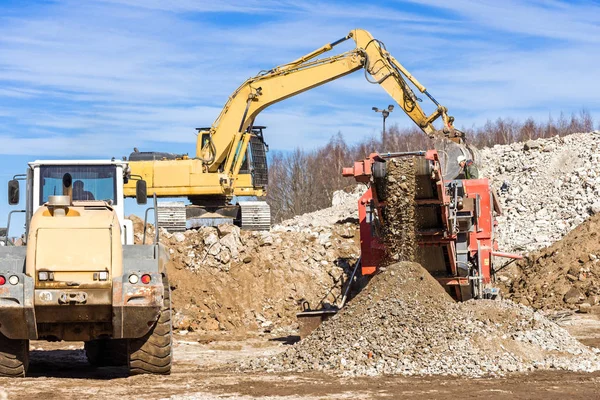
x=405, y=323
x=227, y=279
x=565, y=275
x=549, y=186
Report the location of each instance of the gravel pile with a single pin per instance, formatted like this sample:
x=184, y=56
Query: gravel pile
x=404, y=323
x=547, y=187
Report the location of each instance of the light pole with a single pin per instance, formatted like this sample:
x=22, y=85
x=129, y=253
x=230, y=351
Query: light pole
x=385, y=113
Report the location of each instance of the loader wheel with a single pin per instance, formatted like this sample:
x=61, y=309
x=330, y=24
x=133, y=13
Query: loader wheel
x=106, y=352
x=14, y=357
x=151, y=354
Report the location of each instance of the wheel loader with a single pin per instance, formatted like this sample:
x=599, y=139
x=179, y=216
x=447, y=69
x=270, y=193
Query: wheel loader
x=78, y=275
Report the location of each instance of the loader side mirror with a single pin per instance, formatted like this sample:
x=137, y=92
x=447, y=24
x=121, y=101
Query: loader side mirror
x=141, y=194
x=13, y=192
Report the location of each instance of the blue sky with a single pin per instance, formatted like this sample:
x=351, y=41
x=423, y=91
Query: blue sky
x=95, y=78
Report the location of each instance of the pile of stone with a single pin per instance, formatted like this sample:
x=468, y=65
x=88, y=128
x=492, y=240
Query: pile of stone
x=547, y=187
x=405, y=323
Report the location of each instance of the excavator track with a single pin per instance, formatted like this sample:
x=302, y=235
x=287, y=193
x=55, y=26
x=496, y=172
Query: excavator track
x=255, y=215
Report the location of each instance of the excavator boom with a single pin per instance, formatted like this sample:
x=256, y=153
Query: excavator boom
x=306, y=73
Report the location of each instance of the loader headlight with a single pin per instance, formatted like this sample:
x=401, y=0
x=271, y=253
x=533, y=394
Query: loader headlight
x=13, y=280
x=133, y=279
x=103, y=276
x=45, y=276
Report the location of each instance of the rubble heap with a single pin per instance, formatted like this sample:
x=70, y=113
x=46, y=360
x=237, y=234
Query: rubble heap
x=344, y=209
x=405, y=323
x=564, y=275
x=549, y=186
x=227, y=279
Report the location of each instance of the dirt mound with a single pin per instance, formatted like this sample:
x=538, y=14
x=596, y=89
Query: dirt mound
x=560, y=276
x=405, y=323
x=227, y=279
x=399, y=230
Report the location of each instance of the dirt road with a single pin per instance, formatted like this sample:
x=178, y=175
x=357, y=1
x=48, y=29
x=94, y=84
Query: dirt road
x=201, y=371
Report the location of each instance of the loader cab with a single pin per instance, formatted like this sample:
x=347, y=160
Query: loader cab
x=92, y=180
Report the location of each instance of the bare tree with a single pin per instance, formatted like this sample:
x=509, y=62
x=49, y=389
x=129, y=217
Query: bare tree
x=305, y=180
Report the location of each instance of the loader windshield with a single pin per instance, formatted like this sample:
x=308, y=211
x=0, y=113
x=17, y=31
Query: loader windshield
x=90, y=182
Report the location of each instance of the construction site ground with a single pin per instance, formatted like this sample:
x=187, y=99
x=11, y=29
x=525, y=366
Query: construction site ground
x=202, y=370
x=236, y=294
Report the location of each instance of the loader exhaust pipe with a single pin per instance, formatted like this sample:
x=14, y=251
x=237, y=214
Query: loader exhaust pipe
x=67, y=182
x=59, y=204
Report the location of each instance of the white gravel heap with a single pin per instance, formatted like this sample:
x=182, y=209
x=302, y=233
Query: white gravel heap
x=344, y=209
x=549, y=187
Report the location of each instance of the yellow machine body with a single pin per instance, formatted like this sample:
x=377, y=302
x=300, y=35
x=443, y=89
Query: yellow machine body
x=223, y=148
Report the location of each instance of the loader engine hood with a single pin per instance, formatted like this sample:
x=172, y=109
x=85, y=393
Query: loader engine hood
x=76, y=246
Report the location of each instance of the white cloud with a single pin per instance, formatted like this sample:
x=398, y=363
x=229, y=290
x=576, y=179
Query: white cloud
x=100, y=77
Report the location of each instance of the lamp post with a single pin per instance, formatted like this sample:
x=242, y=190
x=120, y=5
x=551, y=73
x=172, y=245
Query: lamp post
x=385, y=113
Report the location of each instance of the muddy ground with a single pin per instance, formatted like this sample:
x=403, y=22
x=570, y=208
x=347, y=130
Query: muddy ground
x=202, y=371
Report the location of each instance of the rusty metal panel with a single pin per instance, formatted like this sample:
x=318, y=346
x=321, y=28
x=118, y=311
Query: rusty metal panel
x=310, y=320
x=136, y=306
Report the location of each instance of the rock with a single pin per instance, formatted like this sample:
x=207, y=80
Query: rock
x=593, y=300
x=346, y=233
x=179, y=236
x=230, y=242
x=573, y=296
x=214, y=249
x=585, y=308
x=228, y=229
x=405, y=323
x=595, y=208
x=531, y=144
x=211, y=239
x=265, y=239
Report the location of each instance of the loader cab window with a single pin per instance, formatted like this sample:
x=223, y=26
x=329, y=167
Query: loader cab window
x=90, y=182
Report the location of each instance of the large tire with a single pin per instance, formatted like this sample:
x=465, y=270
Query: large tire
x=152, y=353
x=106, y=352
x=14, y=357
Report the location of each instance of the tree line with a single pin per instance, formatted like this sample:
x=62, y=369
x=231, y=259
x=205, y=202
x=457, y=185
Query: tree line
x=302, y=181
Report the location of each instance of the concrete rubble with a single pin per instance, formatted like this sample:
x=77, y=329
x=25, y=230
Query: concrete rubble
x=547, y=187
x=344, y=210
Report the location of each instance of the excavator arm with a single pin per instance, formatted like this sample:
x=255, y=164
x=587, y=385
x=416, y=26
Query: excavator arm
x=222, y=169
x=228, y=135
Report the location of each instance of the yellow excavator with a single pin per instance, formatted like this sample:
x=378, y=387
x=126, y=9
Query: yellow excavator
x=230, y=160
